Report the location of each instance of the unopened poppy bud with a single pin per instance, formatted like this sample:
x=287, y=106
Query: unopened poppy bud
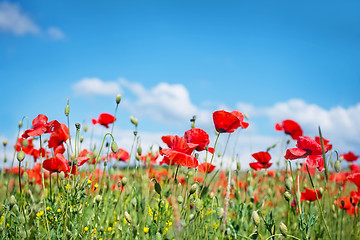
x=97, y=198
x=20, y=124
x=5, y=159
x=20, y=156
x=191, y=217
x=118, y=98
x=138, y=157
x=287, y=196
x=196, y=155
x=238, y=166
x=219, y=212
x=288, y=183
x=72, y=156
x=12, y=201
x=321, y=190
x=67, y=110
x=219, y=154
x=85, y=128
x=128, y=217
x=157, y=188
x=180, y=199
x=77, y=125
x=62, y=175
x=190, y=174
x=25, y=177
x=134, y=202
x=256, y=218
x=134, y=121
x=81, y=139
x=337, y=166
x=249, y=191
x=139, y=150
x=124, y=181
x=114, y=147
x=198, y=205
x=193, y=188
x=158, y=236
x=4, y=143
x=283, y=229
x=25, y=143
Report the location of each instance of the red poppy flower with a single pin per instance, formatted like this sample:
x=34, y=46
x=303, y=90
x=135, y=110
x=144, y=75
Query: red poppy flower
x=40, y=126
x=310, y=195
x=305, y=146
x=104, y=119
x=56, y=164
x=151, y=157
x=225, y=122
x=240, y=116
x=25, y=144
x=350, y=156
x=59, y=149
x=327, y=146
x=59, y=136
x=36, y=153
x=315, y=161
x=290, y=127
x=354, y=168
x=206, y=167
x=263, y=161
x=121, y=155
x=200, y=137
x=73, y=167
x=343, y=203
x=355, y=178
x=179, y=152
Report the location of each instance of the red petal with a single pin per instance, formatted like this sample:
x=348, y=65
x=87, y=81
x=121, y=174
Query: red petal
x=295, y=153
x=225, y=122
x=262, y=157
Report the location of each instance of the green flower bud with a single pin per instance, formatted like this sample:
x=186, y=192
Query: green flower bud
x=114, y=147
x=238, y=166
x=5, y=143
x=219, y=212
x=85, y=128
x=67, y=110
x=191, y=217
x=124, y=181
x=256, y=218
x=12, y=201
x=194, y=188
x=180, y=199
x=337, y=166
x=157, y=188
x=287, y=196
x=288, y=183
x=118, y=98
x=158, y=236
x=97, y=198
x=139, y=150
x=128, y=217
x=25, y=177
x=25, y=143
x=134, y=121
x=198, y=205
x=283, y=229
x=81, y=139
x=20, y=124
x=20, y=156
x=134, y=202
x=62, y=175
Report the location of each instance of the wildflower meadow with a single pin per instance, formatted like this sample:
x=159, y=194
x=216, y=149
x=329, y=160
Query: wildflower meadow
x=55, y=186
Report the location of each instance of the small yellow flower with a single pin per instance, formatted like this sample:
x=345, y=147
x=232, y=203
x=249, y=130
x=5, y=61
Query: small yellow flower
x=39, y=214
x=146, y=229
x=48, y=208
x=109, y=229
x=96, y=185
x=68, y=186
x=100, y=239
x=89, y=181
x=86, y=229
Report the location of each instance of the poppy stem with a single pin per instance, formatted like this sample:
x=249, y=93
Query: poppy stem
x=317, y=199
x=323, y=155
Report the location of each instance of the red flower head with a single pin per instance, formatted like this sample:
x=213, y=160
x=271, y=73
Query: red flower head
x=36, y=153
x=206, y=167
x=25, y=144
x=225, y=122
x=240, y=116
x=40, y=126
x=343, y=203
x=56, y=164
x=350, y=156
x=104, y=119
x=179, y=152
x=315, y=161
x=199, y=137
x=59, y=136
x=152, y=157
x=327, y=146
x=305, y=146
x=354, y=168
x=263, y=161
x=310, y=195
x=290, y=127
x=355, y=178
x=121, y=155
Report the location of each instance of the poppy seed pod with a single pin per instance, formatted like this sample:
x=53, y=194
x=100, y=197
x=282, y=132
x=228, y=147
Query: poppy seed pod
x=283, y=229
x=139, y=150
x=337, y=166
x=118, y=98
x=114, y=147
x=128, y=217
x=77, y=125
x=4, y=143
x=134, y=121
x=256, y=218
x=67, y=110
x=238, y=166
x=124, y=181
x=20, y=156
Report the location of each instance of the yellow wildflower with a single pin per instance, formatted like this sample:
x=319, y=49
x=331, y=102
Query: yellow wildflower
x=146, y=229
x=86, y=229
x=89, y=181
x=39, y=214
x=58, y=211
x=68, y=186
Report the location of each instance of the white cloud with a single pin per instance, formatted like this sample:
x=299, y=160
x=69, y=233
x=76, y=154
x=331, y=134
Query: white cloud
x=55, y=33
x=14, y=20
x=95, y=86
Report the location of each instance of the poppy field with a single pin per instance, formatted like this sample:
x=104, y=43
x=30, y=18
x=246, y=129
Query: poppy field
x=55, y=186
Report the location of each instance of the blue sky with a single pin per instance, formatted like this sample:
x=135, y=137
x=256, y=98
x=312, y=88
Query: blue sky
x=271, y=59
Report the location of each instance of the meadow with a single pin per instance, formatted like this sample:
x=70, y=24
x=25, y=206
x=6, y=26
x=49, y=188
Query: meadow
x=58, y=188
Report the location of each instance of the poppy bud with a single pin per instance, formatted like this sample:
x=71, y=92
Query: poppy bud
x=134, y=202
x=138, y=157
x=124, y=181
x=219, y=212
x=288, y=183
x=85, y=128
x=25, y=143
x=67, y=110
x=191, y=217
x=4, y=143
x=62, y=175
x=321, y=190
x=128, y=217
x=180, y=199
x=20, y=156
x=25, y=177
x=81, y=139
x=238, y=166
x=337, y=166
x=97, y=198
x=72, y=156
x=249, y=191
x=77, y=126
x=114, y=147
x=134, y=121
x=20, y=124
x=158, y=236
x=283, y=229
x=139, y=150
x=157, y=188
x=118, y=98
x=287, y=196
x=190, y=174
x=219, y=154
x=193, y=188
x=198, y=205
x=256, y=218
x=12, y=201
x=5, y=159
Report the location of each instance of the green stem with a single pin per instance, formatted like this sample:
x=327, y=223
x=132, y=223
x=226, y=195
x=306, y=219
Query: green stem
x=43, y=185
x=279, y=235
x=324, y=158
x=21, y=204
